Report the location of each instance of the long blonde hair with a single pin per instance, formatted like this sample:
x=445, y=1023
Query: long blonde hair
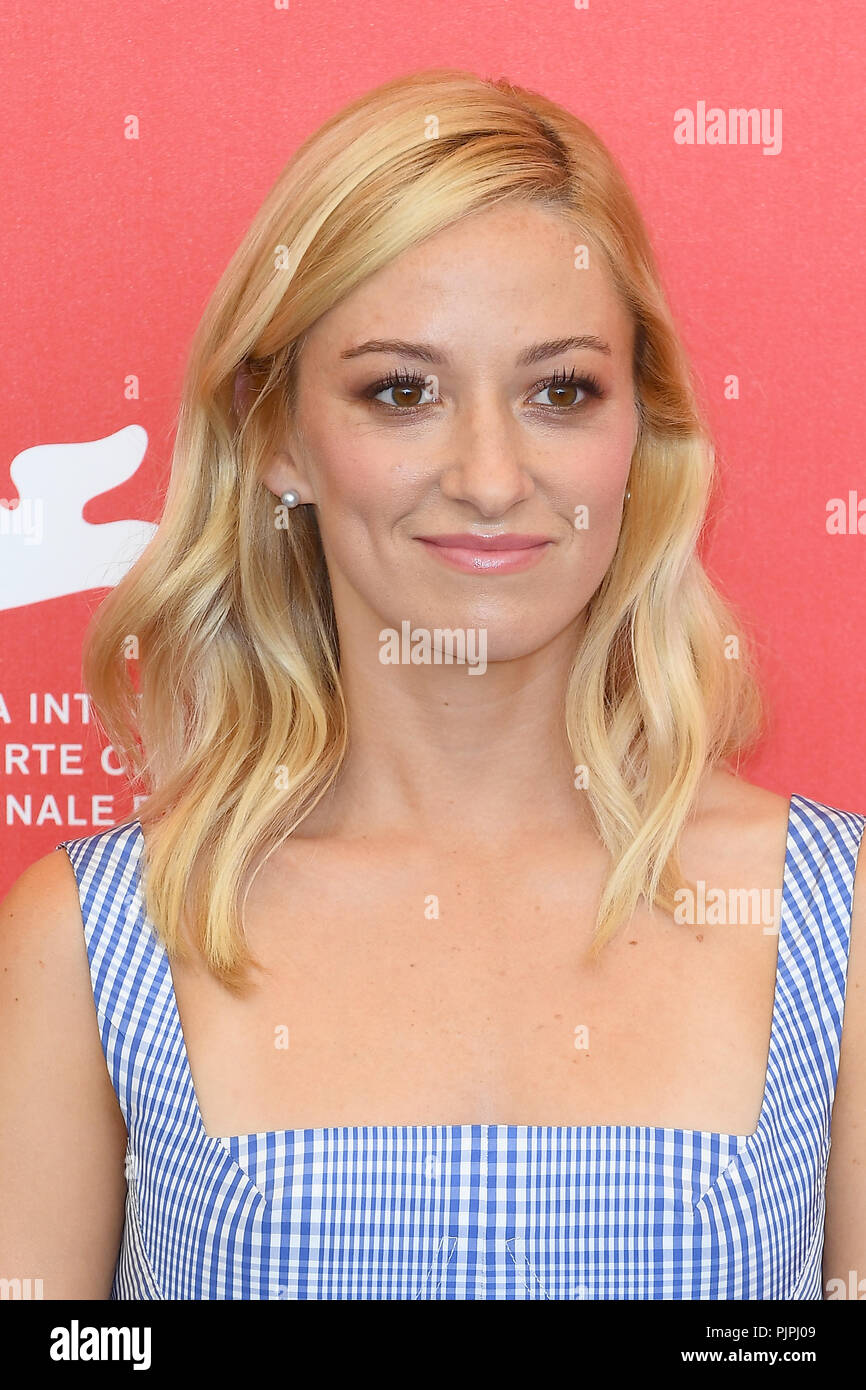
x=231, y=722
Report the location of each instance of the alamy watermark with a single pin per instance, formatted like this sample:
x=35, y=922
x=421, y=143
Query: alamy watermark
x=756, y=907
x=77, y=1343
x=436, y=646
x=738, y=125
x=21, y=1288
x=22, y=517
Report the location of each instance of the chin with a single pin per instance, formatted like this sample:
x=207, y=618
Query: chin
x=470, y=638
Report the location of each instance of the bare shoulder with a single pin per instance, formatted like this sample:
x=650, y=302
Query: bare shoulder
x=728, y=795
x=62, y=1182
x=741, y=827
x=45, y=986
x=42, y=947
x=41, y=906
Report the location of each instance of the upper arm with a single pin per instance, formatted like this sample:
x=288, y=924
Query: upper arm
x=845, y=1224
x=63, y=1138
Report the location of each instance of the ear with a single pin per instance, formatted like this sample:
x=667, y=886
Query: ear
x=283, y=473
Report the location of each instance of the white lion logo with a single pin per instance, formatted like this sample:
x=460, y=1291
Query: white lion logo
x=47, y=549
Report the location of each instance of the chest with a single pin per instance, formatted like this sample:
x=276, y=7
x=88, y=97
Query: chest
x=455, y=991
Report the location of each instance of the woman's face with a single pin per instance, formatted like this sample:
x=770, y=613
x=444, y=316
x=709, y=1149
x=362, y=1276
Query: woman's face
x=443, y=412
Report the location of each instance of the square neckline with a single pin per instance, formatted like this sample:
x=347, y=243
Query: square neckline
x=304, y=1133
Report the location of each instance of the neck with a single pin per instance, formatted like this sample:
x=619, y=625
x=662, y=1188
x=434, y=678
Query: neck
x=439, y=753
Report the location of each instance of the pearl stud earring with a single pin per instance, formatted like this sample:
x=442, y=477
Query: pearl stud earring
x=290, y=498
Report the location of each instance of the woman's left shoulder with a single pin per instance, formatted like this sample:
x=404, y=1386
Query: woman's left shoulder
x=743, y=825
x=745, y=811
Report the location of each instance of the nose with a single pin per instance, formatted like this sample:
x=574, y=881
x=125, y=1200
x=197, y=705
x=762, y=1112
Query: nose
x=486, y=458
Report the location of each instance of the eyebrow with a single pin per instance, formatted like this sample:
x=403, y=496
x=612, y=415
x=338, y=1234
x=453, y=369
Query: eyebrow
x=423, y=352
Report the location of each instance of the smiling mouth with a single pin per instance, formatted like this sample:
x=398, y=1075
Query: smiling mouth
x=504, y=553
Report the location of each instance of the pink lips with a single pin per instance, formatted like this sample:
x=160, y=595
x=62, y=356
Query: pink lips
x=489, y=554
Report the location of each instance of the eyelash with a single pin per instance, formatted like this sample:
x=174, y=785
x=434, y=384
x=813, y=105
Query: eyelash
x=587, y=382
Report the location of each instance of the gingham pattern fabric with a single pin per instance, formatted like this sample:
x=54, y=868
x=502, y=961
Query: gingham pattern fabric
x=474, y=1211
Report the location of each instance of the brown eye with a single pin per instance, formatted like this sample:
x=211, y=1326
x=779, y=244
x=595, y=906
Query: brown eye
x=568, y=392
x=561, y=395
x=407, y=395
x=564, y=395
x=409, y=391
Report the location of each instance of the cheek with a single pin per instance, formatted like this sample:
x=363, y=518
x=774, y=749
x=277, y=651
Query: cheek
x=608, y=452
x=360, y=496
x=355, y=472
x=593, y=499
x=593, y=474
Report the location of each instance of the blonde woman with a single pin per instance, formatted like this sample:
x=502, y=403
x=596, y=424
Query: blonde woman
x=436, y=962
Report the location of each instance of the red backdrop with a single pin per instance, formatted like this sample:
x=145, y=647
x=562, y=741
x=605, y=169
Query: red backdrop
x=112, y=245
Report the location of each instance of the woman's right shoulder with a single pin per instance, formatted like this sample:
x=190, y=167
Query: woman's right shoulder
x=43, y=897
x=62, y=1184
x=42, y=946
x=43, y=918
x=76, y=917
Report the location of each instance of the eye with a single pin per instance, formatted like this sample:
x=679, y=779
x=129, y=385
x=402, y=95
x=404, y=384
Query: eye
x=564, y=388
x=410, y=389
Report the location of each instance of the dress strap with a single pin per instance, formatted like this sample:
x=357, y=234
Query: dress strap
x=128, y=966
x=811, y=973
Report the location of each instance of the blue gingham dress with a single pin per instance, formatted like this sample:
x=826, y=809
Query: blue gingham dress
x=474, y=1211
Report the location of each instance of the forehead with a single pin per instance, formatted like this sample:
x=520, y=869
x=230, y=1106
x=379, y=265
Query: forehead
x=503, y=275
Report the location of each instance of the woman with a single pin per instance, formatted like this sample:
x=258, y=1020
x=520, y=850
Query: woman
x=423, y=971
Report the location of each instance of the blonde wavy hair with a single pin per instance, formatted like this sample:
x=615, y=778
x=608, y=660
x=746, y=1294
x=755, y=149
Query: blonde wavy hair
x=231, y=722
